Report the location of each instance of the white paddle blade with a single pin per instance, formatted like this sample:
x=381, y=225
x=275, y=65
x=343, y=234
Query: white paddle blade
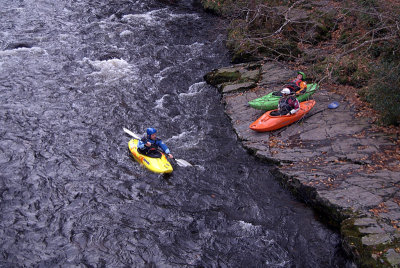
x=131, y=133
x=183, y=163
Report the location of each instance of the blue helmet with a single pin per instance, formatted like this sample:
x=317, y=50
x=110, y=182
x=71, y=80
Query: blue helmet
x=151, y=131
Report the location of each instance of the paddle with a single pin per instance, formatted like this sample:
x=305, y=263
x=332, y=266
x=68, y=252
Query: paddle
x=180, y=162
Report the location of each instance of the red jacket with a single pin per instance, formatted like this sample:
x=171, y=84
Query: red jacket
x=291, y=101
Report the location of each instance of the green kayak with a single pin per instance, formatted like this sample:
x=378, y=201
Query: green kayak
x=270, y=102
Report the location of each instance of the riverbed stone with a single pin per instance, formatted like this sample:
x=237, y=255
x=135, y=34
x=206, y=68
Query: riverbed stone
x=376, y=239
x=331, y=159
x=365, y=222
x=372, y=230
x=237, y=87
x=252, y=75
x=271, y=76
x=393, y=257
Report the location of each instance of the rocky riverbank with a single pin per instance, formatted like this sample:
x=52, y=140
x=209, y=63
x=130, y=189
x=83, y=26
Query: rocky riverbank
x=332, y=160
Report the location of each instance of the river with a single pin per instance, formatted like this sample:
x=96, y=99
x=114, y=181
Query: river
x=73, y=73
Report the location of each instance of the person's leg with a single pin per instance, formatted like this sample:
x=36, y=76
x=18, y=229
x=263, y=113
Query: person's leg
x=277, y=93
x=154, y=154
x=144, y=151
x=285, y=110
x=275, y=113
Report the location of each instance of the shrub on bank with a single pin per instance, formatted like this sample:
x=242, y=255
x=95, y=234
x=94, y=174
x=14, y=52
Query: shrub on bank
x=350, y=42
x=353, y=71
x=384, y=92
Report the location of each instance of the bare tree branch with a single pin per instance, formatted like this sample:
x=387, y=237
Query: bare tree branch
x=386, y=38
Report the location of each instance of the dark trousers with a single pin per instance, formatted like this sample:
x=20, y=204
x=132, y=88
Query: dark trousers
x=282, y=111
x=150, y=153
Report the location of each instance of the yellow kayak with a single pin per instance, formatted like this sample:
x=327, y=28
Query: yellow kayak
x=157, y=165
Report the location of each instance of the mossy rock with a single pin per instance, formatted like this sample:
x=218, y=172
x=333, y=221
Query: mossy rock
x=216, y=77
x=365, y=255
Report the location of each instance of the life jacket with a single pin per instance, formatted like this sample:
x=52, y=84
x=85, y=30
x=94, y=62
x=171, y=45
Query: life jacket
x=289, y=103
x=297, y=86
x=153, y=146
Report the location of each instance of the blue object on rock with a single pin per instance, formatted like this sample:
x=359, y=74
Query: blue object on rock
x=333, y=105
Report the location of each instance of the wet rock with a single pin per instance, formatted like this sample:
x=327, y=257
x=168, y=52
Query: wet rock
x=330, y=159
x=232, y=78
x=371, y=230
x=393, y=257
x=271, y=76
x=217, y=78
x=376, y=239
x=252, y=75
x=237, y=87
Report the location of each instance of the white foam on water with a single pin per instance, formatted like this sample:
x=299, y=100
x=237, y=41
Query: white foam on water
x=113, y=68
x=4, y=34
x=249, y=227
x=186, y=140
x=125, y=33
x=159, y=102
x=193, y=16
x=149, y=18
x=155, y=17
x=194, y=89
x=138, y=18
x=179, y=136
x=186, y=135
x=200, y=167
x=160, y=75
x=196, y=48
x=281, y=264
x=16, y=51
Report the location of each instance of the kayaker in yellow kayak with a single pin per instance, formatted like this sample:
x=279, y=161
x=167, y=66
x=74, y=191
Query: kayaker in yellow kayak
x=287, y=104
x=150, y=145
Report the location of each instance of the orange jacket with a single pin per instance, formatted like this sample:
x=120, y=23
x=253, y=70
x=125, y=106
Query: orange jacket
x=297, y=86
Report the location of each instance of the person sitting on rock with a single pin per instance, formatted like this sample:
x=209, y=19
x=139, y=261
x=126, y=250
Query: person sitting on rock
x=150, y=144
x=296, y=86
x=287, y=104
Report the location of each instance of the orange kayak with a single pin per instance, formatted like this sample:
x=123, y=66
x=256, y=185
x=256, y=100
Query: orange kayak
x=268, y=122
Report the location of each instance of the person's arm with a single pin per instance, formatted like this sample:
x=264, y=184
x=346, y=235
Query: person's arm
x=295, y=105
x=303, y=87
x=141, y=144
x=163, y=147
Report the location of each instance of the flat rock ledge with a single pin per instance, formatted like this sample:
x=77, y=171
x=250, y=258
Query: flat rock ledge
x=330, y=159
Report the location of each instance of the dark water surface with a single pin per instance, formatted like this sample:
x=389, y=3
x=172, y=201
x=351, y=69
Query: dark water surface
x=72, y=74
